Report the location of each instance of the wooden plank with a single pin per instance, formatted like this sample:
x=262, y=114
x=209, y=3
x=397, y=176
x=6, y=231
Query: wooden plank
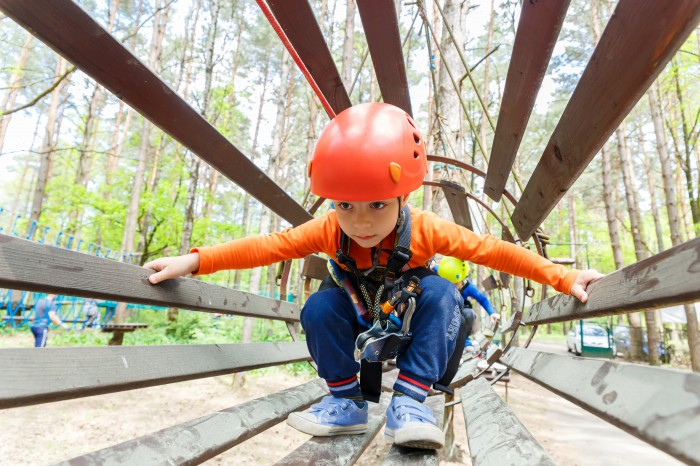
x=25, y=265
x=381, y=27
x=53, y=374
x=300, y=25
x=640, y=38
x=457, y=200
x=538, y=29
x=659, y=406
x=465, y=374
x=401, y=456
x=315, y=267
x=668, y=278
x=496, y=435
x=341, y=449
x=198, y=440
x=72, y=33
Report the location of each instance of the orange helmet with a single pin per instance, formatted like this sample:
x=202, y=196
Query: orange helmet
x=368, y=152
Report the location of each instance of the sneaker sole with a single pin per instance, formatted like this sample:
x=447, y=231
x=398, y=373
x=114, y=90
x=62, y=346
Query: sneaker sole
x=417, y=437
x=319, y=430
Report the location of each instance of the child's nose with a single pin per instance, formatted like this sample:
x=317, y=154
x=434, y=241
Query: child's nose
x=362, y=219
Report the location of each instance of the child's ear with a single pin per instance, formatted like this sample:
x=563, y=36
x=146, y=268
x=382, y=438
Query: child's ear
x=404, y=199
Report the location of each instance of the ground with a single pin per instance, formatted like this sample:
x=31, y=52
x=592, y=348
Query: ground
x=52, y=432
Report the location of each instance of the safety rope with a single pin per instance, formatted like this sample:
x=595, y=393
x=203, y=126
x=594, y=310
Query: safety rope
x=290, y=48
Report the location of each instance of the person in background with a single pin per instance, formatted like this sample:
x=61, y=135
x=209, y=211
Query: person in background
x=92, y=313
x=45, y=311
x=457, y=271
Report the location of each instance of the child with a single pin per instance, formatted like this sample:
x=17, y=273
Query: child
x=457, y=271
x=367, y=161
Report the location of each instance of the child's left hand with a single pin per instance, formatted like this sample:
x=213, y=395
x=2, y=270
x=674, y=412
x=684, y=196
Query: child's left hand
x=578, y=289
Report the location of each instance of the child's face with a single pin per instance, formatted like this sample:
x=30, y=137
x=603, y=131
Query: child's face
x=368, y=223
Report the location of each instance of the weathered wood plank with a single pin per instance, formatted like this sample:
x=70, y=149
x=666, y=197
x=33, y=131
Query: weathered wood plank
x=300, y=25
x=401, y=456
x=496, y=436
x=456, y=198
x=538, y=29
x=72, y=33
x=381, y=26
x=659, y=406
x=315, y=267
x=52, y=374
x=342, y=449
x=198, y=440
x=25, y=265
x=668, y=278
x=640, y=38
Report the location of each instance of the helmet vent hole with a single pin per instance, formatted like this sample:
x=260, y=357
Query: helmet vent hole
x=416, y=138
x=410, y=121
x=415, y=154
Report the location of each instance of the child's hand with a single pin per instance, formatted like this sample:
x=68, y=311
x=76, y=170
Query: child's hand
x=173, y=267
x=495, y=317
x=578, y=289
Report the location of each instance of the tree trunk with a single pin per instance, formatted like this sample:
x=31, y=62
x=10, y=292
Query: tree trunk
x=637, y=237
x=348, y=42
x=86, y=154
x=651, y=185
x=449, y=109
x=8, y=101
x=48, y=146
x=673, y=220
x=687, y=156
x=485, y=91
x=610, y=211
x=131, y=221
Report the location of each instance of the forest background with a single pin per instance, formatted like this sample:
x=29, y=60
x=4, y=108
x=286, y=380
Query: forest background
x=76, y=162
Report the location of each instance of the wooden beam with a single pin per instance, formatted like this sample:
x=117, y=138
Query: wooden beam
x=659, y=406
x=72, y=33
x=201, y=439
x=31, y=377
x=381, y=27
x=300, y=25
x=668, y=278
x=640, y=38
x=342, y=449
x=538, y=29
x=456, y=198
x=496, y=435
x=315, y=267
x=25, y=265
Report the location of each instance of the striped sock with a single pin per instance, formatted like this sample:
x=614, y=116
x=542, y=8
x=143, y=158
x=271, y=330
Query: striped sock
x=413, y=386
x=346, y=388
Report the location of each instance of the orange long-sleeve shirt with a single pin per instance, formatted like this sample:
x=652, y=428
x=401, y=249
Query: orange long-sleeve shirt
x=430, y=235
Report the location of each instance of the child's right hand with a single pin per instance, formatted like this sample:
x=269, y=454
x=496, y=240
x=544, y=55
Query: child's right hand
x=173, y=267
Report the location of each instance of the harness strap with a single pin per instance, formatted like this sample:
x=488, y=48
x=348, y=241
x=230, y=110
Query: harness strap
x=400, y=256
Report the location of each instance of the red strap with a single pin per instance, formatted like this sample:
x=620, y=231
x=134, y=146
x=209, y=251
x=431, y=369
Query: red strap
x=285, y=40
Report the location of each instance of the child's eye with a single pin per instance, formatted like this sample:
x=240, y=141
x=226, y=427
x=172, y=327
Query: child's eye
x=344, y=205
x=377, y=205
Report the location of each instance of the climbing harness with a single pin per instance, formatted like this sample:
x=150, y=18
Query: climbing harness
x=385, y=340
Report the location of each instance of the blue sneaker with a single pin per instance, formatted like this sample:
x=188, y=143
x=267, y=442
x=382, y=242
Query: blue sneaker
x=410, y=423
x=332, y=416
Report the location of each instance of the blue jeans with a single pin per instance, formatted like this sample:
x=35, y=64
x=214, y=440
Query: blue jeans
x=331, y=329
